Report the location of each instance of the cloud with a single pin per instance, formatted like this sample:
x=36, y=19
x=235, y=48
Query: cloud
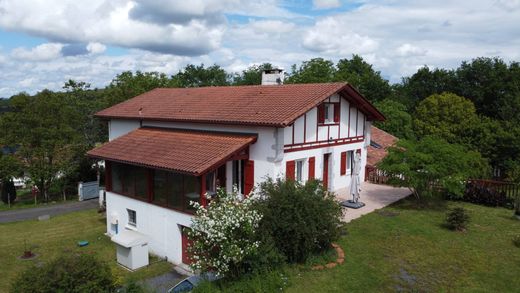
x=410, y=50
x=326, y=4
x=111, y=22
x=96, y=48
x=43, y=52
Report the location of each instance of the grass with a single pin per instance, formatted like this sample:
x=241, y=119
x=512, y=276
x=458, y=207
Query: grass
x=59, y=235
x=406, y=248
x=413, y=251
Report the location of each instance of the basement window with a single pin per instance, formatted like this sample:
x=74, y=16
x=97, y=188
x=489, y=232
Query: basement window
x=132, y=218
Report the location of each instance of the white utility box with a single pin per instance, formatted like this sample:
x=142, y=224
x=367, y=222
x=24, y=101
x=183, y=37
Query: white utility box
x=132, y=249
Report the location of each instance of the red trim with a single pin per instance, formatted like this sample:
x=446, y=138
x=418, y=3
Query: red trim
x=325, y=141
x=312, y=168
x=289, y=170
x=337, y=142
x=336, y=112
x=321, y=113
x=186, y=259
x=249, y=176
x=343, y=165
x=339, y=118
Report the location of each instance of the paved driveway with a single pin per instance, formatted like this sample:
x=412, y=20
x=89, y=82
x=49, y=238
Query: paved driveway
x=375, y=196
x=52, y=210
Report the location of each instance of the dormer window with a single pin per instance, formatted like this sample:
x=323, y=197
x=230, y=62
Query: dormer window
x=328, y=113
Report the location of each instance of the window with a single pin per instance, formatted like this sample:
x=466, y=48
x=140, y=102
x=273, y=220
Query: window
x=350, y=159
x=375, y=145
x=132, y=217
x=299, y=171
x=211, y=184
x=326, y=112
x=130, y=180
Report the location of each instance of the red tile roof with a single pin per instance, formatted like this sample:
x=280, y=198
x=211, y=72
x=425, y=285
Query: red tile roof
x=269, y=105
x=184, y=151
x=383, y=139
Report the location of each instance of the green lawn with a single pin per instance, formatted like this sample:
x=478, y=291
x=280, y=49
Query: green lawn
x=60, y=235
x=412, y=251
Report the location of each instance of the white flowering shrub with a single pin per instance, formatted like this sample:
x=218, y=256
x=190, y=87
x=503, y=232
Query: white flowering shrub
x=223, y=233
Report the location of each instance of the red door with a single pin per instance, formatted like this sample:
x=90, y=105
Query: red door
x=326, y=158
x=186, y=259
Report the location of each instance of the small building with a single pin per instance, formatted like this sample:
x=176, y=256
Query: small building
x=170, y=146
x=380, y=140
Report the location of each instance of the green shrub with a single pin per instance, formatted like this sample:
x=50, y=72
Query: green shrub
x=457, y=219
x=301, y=219
x=517, y=205
x=8, y=192
x=516, y=240
x=67, y=273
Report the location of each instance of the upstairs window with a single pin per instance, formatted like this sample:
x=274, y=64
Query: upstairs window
x=328, y=113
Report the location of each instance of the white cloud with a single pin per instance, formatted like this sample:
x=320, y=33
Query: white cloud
x=326, y=4
x=96, y=48
x=43, y=52
x=410, y=50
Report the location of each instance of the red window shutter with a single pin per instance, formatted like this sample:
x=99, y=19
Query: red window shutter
x=289, y=170
x=312, y=163
x=321, y=113
x=343, y=165
x=336, y=112
x=249, y=176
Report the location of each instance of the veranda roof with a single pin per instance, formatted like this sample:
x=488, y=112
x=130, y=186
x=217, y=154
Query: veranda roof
x=185, y=151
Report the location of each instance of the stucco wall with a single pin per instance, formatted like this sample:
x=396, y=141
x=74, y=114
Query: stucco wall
x=161, y=225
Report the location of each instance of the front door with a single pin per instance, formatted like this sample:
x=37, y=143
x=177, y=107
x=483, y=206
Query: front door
x=326, y=159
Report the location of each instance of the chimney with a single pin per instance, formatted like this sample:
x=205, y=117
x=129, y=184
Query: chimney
x=272, y=76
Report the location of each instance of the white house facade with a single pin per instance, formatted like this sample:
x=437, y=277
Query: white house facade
x=168, y=147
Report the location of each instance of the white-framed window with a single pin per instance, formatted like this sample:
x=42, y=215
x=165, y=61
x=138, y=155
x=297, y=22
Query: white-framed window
x=132, y=217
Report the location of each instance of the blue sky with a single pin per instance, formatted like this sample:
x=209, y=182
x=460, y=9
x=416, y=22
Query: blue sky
x=45, y=43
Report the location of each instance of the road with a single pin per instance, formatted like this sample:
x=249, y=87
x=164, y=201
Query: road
x=52, y=210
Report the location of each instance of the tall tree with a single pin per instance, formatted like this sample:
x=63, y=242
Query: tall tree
x=362, y=75
x=44, y=128
x=447, y=116
x=398, y=120
x=424, y=83
x=199, y=76
x=127, y=85
x=313, y=71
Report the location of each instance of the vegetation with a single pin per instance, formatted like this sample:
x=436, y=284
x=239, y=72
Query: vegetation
x=8, y=191
x=410, y=252
x=67, y=273
x=223, y=234
x=426, y=165
x=59, y=235
x=300, y=219
x=457, y=219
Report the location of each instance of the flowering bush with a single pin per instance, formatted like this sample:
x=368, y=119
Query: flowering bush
x=223, y=234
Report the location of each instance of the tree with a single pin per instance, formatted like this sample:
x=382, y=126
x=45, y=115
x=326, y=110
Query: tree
x=67, y=273
x=313, y=71
x=430, y=163
x=424, y=83
x=128, y=85
x=361, y=75
x=252, y=75
x=398, y=121
x=44, y=127
x=9, y=168
x=492, y=85
x=447, y=116
x=198, y=76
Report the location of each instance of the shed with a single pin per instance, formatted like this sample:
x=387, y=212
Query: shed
x=132, y=249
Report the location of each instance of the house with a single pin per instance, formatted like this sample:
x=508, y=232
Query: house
x=380, y=140
x=170, y=146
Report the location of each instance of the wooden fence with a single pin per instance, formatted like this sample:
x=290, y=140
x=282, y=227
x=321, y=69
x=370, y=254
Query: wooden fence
x=510, y=189
x=374, y=175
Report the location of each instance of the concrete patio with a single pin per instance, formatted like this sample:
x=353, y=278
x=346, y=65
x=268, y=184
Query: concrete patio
x=375, y=196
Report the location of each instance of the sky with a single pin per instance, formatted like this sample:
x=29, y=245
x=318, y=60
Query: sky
x=45, y=43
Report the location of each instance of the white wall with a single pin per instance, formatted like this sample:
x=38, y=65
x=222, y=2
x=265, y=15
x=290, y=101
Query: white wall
x=117, y=127
x=161, y=225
